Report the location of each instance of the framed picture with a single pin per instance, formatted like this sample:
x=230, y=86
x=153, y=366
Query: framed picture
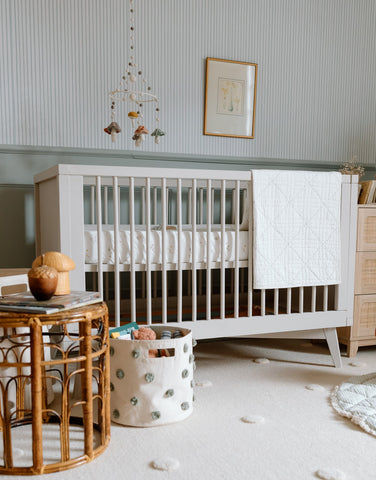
x=230, y=98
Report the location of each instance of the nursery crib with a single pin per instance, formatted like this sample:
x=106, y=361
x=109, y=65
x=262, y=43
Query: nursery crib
x=175, y=246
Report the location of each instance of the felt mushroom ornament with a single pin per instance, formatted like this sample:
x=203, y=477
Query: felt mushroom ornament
x=113, y=129
x=132, y=116
x=62, y=264
x=157, y=133
x=139, y=135
x=135, y=91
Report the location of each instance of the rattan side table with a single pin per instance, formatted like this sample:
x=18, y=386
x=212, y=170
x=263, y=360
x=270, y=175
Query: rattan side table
x=54, y=389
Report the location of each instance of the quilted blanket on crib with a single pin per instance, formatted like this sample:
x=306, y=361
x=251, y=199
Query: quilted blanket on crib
x=296, y=219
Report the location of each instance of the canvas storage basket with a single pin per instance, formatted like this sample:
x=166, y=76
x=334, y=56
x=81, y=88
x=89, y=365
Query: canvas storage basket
x=148, y=391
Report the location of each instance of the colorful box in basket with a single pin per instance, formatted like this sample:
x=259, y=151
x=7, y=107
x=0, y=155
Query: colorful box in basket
x=152, y=380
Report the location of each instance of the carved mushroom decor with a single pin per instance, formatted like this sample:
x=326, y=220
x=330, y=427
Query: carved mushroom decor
x=62, y=264
x=42, y=280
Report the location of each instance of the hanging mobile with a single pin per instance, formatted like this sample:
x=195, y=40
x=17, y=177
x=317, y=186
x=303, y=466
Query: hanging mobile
x=132, y=91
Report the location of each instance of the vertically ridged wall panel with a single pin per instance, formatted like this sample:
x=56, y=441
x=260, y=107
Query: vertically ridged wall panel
x=315, y=97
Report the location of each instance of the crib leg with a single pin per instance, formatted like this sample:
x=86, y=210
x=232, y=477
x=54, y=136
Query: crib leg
x=332, y=340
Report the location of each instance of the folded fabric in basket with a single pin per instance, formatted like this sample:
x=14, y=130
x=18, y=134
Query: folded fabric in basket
x=296, y=216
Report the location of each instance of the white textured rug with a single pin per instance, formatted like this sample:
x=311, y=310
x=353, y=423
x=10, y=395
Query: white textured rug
x=252, y=419
x=356, y=399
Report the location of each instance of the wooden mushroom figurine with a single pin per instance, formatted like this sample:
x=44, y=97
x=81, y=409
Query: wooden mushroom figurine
x=63, y=264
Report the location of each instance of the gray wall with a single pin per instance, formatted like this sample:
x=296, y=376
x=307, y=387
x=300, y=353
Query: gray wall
x=315, y=101
x=316, y=58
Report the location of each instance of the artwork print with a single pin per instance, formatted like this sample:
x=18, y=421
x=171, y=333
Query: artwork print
x=230, y=98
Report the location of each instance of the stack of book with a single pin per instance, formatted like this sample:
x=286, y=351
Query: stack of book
x=25, y=302
x=367, y=192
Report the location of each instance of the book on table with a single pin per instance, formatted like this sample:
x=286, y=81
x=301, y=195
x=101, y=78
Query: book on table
x=25, y=302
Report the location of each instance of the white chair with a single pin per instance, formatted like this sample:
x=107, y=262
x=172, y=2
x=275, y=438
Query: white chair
x=15, y=280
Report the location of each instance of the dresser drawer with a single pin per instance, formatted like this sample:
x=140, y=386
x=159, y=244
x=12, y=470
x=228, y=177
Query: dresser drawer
x=365, y=273
x=364, y=316
x=366, y=240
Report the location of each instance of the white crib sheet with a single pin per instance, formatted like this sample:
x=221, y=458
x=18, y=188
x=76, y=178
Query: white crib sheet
x=108, y=246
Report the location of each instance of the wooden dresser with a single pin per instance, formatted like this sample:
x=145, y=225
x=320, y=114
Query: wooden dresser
x=363, y=329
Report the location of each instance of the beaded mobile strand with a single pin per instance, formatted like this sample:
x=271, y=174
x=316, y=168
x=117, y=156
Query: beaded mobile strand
x=134, y=90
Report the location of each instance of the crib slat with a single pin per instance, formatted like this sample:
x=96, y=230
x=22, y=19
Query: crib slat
x=199, y=282
x=132, y=252
x=325, y=299
x=92, y=204
x=92, y=221
x=233, y=207
x=223, y=271
x=105, y=204
x=143, y=205
x=288, y=301
x=201, y=206
x=148, y=252
x=276, y=301
x=236, y=269
x=167, y=205
x=262, y=302
x=313, y=300
x=301, y=299
x=116, y=250
x=208, y=235
x=336, y=296
x=179, y=272
x=194, y=253
x=155, y=221
x=200, y=221
x=164, y=253
x=99, y=235
x=155, y=205
x=105, y=221
x=189, y=204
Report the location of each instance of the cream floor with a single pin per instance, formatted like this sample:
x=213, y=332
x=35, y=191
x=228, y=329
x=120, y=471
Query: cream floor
x=300, y=435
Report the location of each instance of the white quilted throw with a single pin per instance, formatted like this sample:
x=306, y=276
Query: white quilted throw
x=296, y=221
x=356, y=399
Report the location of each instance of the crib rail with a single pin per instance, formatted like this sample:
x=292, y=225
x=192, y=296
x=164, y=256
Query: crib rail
x=200, y=290
x=166, y=205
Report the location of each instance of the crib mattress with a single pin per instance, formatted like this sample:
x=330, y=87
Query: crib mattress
x=155, y=246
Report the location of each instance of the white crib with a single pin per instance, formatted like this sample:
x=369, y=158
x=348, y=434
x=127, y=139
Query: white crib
x=175, y=246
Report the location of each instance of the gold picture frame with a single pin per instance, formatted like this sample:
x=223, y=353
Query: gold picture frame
x=230, y=98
